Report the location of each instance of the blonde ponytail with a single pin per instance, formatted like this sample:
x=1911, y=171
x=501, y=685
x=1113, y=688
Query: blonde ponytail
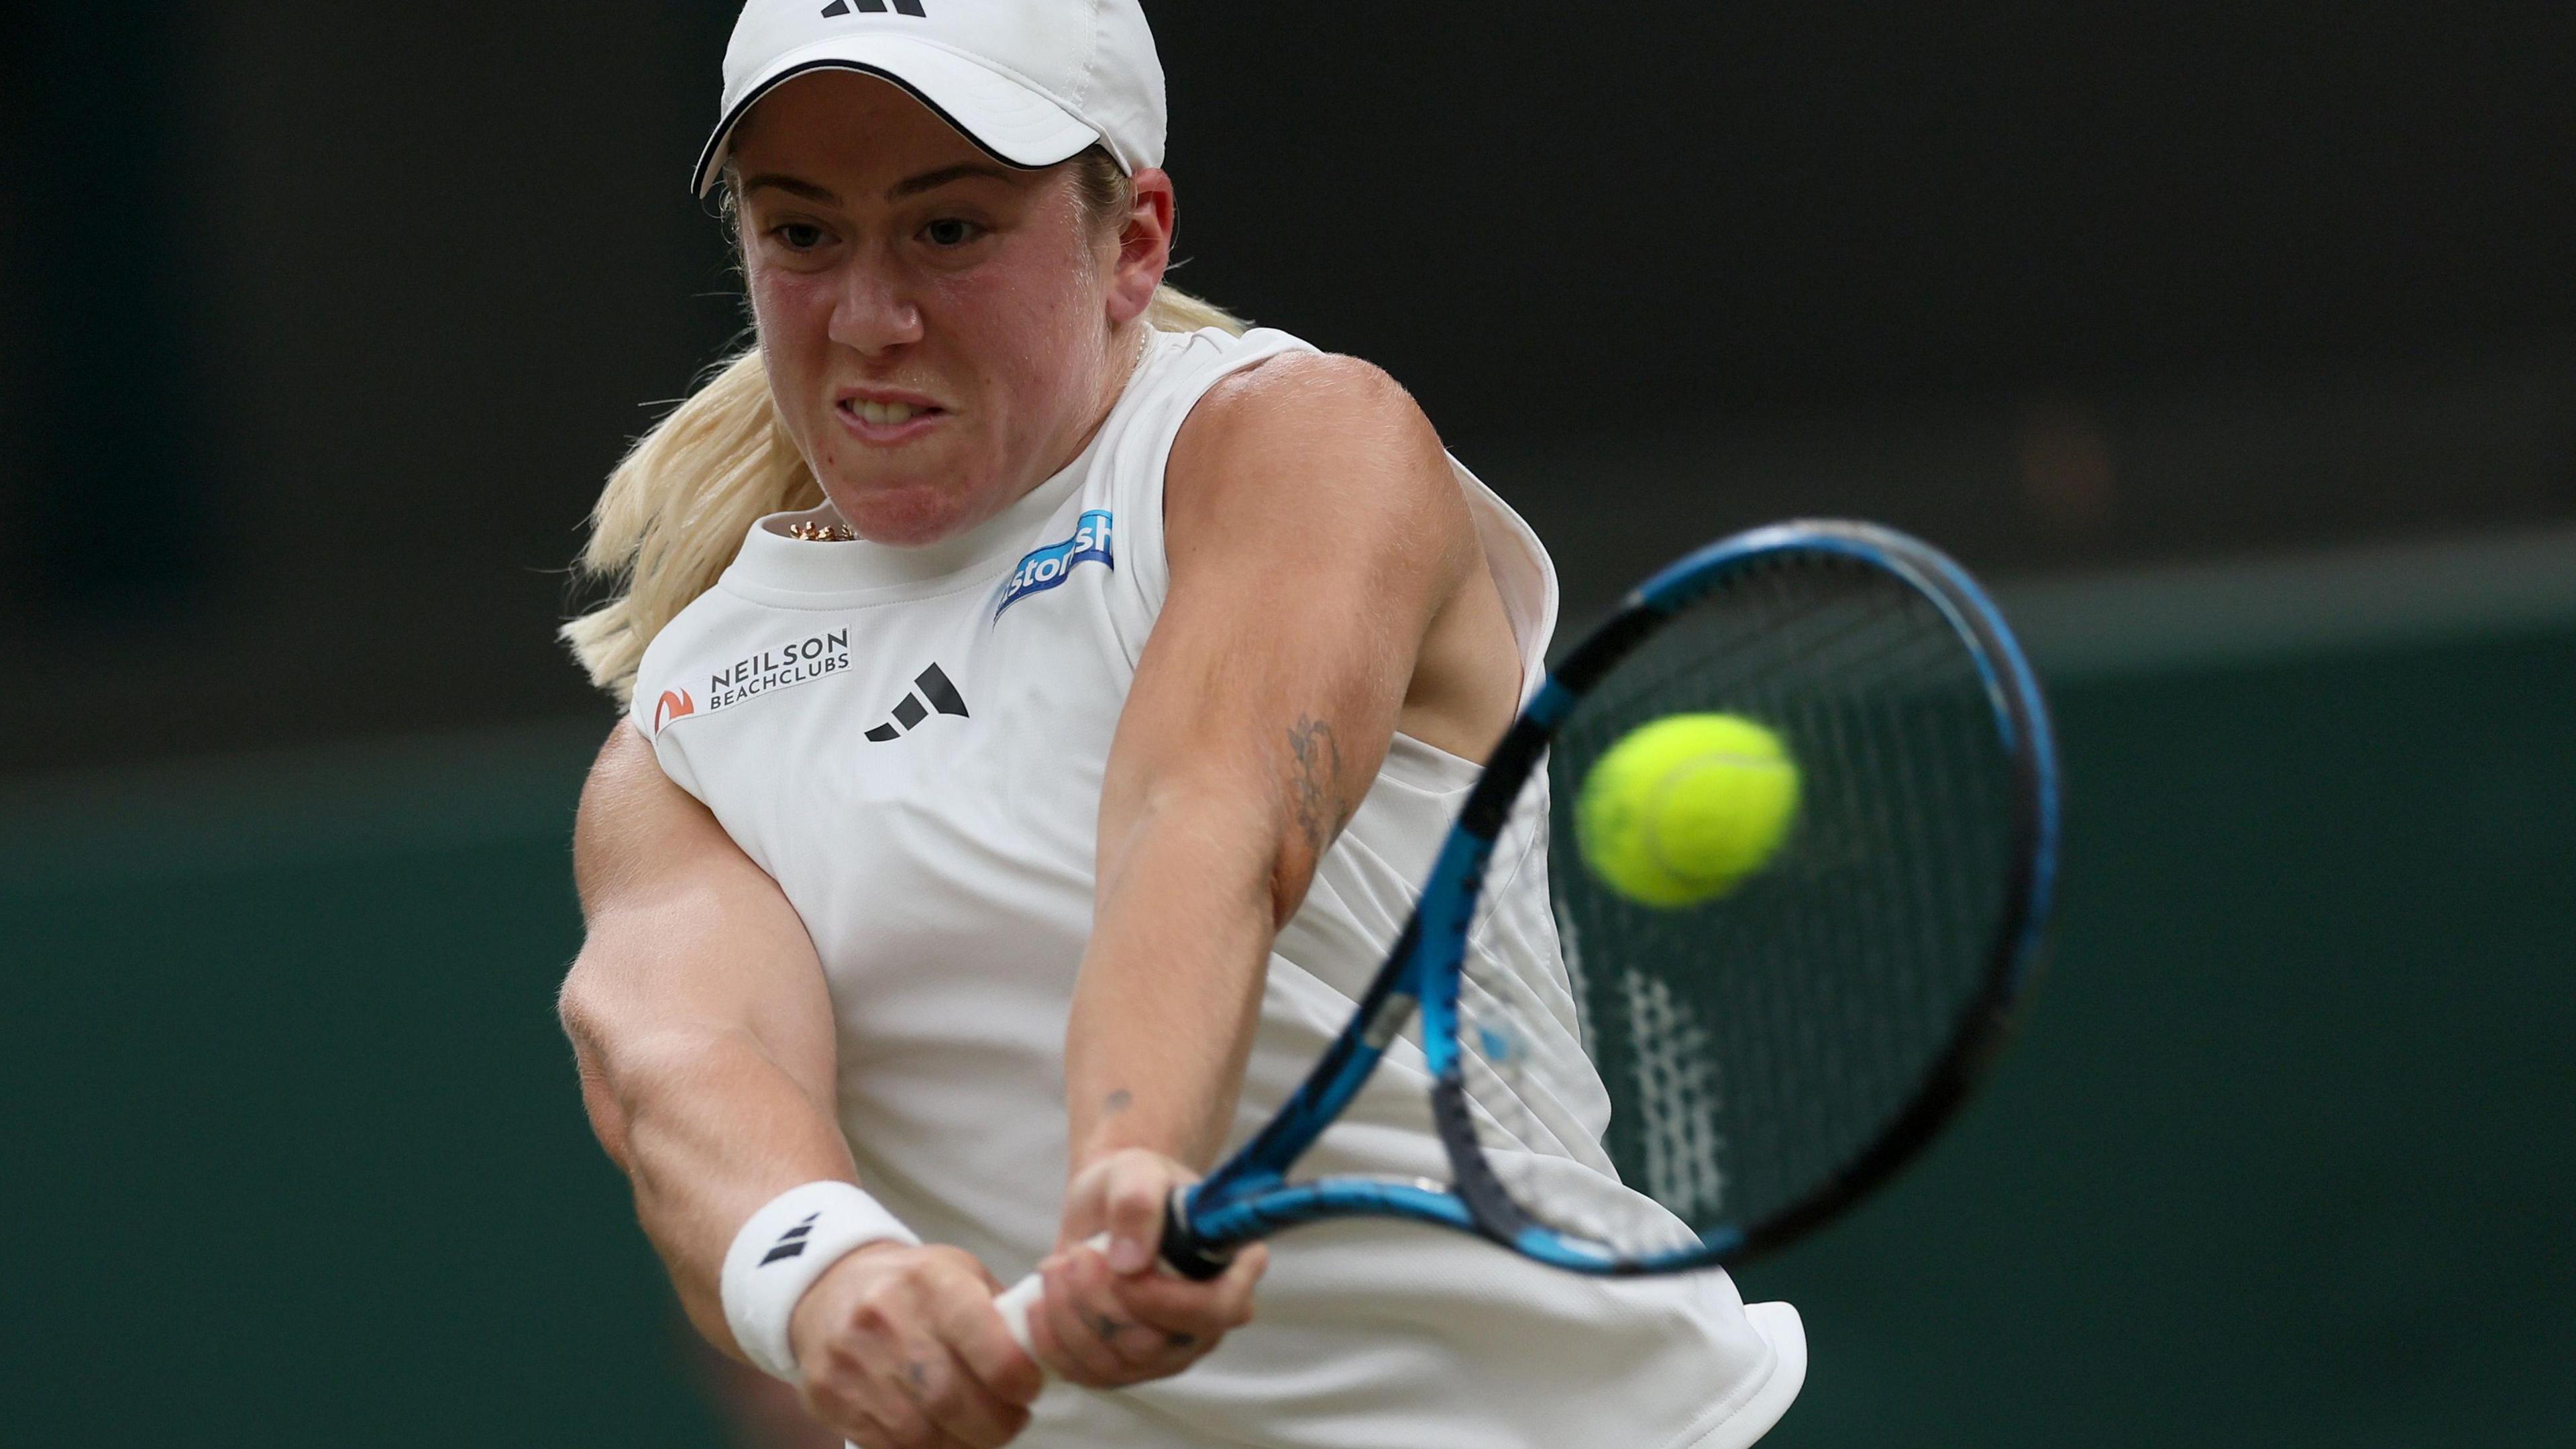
x=1174, y=310
x=677, y=508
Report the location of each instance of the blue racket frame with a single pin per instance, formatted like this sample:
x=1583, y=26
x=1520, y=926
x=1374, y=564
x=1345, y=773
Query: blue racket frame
x=1249, y=1196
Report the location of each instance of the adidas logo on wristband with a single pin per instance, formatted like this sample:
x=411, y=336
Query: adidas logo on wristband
x=799, y=1235
x=791, y=1243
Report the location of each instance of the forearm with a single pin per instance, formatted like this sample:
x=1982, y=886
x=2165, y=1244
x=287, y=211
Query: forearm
x=1171, y=984
x=1316, y=535
x=708, y=1128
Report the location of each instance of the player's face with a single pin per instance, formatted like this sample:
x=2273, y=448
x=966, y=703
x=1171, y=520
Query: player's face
x=943, y=332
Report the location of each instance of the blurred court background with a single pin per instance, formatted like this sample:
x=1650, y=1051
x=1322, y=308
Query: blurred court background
x=2238, y=342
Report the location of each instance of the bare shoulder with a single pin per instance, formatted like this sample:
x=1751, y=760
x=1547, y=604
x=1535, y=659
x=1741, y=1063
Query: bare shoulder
x=1314, y=487
x=625, y=757
x=1332, y=440
x=1310, y=399
x=1312, y=380
x=631, y=818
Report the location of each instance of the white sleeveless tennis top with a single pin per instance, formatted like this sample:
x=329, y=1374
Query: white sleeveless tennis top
x=912, y=742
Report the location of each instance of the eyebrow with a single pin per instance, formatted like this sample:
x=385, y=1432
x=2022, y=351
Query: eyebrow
x=913, y=186
x=792, y=187
x=933, y=180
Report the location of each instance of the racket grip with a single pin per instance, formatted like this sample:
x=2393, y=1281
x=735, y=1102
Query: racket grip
x=1014, y=1305
x=1182, y=1253
x=1018, y=1301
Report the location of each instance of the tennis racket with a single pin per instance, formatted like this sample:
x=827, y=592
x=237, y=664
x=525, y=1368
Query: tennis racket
x=1770, y=1055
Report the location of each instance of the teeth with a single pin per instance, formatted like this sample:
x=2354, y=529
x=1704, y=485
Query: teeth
x=885, y=415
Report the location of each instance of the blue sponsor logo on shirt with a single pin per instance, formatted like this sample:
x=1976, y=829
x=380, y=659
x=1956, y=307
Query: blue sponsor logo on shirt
x=1052, y=565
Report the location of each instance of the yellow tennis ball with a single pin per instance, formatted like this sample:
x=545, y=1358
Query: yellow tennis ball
x=1683, y=809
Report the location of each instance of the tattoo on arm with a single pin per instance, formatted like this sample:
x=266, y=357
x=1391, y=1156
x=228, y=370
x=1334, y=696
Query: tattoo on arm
x=1318, y=757
x=1118, y=1101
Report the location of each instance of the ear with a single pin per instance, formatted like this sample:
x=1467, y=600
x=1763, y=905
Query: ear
x=1144, y=248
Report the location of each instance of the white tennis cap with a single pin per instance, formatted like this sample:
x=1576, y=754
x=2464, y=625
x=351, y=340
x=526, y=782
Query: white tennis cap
x=1034, y=82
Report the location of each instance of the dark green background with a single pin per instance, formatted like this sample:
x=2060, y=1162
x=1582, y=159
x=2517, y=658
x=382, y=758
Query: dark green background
x=295, y=1156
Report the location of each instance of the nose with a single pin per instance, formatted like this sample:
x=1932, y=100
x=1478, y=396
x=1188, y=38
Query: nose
x=874, y=313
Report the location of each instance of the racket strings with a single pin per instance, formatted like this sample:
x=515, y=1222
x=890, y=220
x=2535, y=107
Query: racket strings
x=1538, y=1106
x=1749, y=1047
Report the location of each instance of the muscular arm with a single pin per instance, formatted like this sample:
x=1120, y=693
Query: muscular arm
x=1327, y=587
x=704, y=1031
x=699, y=1018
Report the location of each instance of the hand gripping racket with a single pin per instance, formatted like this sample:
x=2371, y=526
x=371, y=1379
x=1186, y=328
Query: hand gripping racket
x=1771, y=1053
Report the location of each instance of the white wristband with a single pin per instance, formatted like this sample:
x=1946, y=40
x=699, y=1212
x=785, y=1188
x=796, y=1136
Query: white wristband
x=783, y=1249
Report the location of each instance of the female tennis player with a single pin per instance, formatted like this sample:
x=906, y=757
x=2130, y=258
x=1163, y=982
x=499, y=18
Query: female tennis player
x=1046, y=695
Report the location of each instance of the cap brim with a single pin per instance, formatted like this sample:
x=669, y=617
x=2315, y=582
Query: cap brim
x=1016, y=124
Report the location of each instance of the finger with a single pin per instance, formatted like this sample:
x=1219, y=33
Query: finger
x=986, y=1351
x=1083, y=1336
x=1235, y=1286
x=1152, y=1350
x=1053, y=1353
x=932, y=1437
x=1084, y=1205
x=925, y=1398
x=1138, y=1187
x=842, y=1392
x=1181, y=1308
x=1103, y=1305
x=861, y=1430
x=1093, y=1319
x=864, y=1415
x=955, y=1402
x=880, y=1390
x=904, y=1422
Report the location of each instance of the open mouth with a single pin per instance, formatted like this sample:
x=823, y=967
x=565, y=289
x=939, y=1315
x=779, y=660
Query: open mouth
x=889, y=422
x=888, y=414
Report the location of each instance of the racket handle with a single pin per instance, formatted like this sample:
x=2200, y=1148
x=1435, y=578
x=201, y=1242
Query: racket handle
x=1182, y=1254
x=1018, y=1301
x=1014, y=1305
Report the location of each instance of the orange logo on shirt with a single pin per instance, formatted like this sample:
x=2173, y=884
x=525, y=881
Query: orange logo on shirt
x=675, y=704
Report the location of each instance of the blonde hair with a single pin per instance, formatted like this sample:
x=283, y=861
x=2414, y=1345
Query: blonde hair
x=677, y=507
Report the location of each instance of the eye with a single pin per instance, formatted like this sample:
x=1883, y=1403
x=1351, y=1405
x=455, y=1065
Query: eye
x=951, y=232
x=798, y=236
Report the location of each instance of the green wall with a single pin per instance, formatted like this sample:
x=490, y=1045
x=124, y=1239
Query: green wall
x=296, y=1158
x=293, y=1154
x=2283, y=1157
